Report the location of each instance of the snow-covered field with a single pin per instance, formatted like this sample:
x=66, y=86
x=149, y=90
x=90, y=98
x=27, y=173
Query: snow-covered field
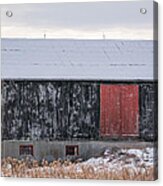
x=114, y=163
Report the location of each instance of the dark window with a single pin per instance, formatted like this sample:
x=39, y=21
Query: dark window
x=72, y=150
x=26, y=150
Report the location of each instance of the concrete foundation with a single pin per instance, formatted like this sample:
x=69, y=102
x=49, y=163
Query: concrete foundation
x=57, y=149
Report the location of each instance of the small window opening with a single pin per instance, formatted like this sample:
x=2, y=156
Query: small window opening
x=26, y=150
x=72, y=150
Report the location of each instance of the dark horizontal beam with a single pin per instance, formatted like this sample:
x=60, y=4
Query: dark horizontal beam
x=85, y=81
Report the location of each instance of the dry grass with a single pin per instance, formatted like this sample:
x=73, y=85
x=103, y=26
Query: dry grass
x=11, y=167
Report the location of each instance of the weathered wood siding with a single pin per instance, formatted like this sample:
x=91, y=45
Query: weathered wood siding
x=148, y=111
x=55, y=110
x=49, y=110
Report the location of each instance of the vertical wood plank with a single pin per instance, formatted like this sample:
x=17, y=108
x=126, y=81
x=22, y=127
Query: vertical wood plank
x=119, y=110
x=130, y=110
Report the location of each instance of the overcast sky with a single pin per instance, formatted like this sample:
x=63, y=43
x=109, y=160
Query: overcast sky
x=110, y=20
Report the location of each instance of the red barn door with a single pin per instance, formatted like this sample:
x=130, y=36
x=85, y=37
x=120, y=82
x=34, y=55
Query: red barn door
x=119, y=110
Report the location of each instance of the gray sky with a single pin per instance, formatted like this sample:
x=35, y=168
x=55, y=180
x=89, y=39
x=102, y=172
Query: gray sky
x=114, y=20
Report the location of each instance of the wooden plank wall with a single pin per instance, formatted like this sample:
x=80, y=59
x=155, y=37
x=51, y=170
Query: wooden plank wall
x=49, y=110
x=119, y=110
x=36, y=110
x=148, y=111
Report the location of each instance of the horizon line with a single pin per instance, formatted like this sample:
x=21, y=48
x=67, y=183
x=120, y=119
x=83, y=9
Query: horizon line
x=39, y=38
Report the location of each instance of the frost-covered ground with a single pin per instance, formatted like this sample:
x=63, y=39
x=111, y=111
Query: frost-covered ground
x=114, y=163
x=121, y=158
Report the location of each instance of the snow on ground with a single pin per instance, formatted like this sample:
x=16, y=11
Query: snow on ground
x=138, y=164
x=123, y=158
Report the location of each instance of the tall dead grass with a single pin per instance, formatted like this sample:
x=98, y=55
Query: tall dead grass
x=11, y=167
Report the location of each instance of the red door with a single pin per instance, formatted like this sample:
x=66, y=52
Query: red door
x=119, y=110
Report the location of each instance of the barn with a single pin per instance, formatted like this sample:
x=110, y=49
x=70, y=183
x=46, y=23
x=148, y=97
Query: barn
x=66, y=97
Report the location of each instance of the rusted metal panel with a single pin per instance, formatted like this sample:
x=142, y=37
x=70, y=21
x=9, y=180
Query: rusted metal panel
x=119, y=110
